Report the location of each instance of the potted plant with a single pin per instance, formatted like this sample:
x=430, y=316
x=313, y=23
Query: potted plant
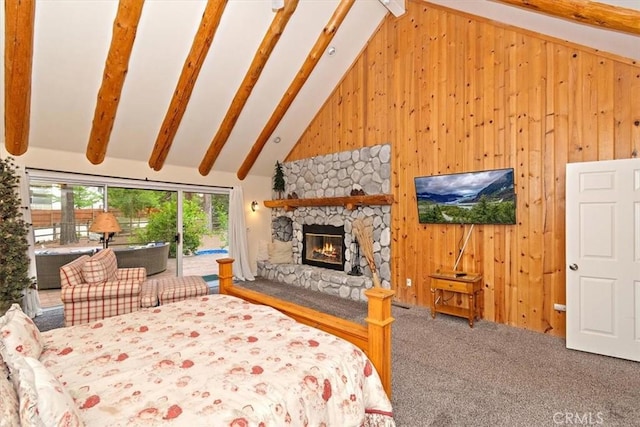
x=278, y=180
x=14, y=258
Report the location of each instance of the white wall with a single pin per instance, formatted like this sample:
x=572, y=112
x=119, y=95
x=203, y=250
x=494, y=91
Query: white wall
x=254, y=187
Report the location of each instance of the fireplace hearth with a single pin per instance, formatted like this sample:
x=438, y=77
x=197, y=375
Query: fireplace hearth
x=323, y=246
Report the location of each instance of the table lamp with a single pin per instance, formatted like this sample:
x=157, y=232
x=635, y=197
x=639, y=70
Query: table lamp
x=105, y=223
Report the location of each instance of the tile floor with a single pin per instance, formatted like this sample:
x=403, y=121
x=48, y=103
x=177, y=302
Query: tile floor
x=199, y=265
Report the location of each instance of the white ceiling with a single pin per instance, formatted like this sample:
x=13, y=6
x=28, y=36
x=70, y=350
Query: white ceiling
x=72, y=38
x=619, y=43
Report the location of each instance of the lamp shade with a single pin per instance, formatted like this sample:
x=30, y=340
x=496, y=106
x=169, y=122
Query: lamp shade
x=105, y=222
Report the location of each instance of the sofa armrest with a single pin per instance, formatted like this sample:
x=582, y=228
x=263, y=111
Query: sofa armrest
x=138, y=274
x=108, y=290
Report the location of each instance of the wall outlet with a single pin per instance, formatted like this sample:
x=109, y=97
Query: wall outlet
x=559, y=307
x=409, y=283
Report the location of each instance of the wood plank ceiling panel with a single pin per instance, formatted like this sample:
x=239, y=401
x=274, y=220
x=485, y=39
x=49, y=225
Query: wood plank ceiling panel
x=299, y=80
x=125, y=27
x=192, y=66
x=248, y=83
x=588, y=12
x=18, y=62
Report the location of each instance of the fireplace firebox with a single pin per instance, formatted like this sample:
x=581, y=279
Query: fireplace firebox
x=323, y=246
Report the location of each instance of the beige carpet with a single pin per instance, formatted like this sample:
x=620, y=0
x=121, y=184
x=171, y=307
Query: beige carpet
x=447, y=374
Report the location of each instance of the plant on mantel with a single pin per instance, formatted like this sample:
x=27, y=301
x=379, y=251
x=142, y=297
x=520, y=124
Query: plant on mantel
x=14, y=258
x=278, y=180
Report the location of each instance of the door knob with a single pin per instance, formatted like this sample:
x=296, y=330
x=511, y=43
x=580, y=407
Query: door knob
x=573, y=267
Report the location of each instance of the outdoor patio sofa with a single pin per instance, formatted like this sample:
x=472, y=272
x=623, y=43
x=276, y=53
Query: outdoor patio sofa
x=153, y=257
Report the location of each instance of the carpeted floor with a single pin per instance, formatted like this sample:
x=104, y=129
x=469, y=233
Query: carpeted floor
x=447, y=374
x=51, y=318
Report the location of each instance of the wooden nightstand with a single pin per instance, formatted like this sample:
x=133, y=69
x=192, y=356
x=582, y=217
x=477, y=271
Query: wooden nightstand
x=469, y=284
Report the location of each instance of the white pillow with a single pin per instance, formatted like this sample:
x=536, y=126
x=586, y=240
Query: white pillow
x=280, y=252
x=4, y=369
x=43, y=400
x=19, y=336
x=9, y=415
x=263, y=251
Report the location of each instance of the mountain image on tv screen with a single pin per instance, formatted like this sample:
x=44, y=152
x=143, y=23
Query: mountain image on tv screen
x=486, y=197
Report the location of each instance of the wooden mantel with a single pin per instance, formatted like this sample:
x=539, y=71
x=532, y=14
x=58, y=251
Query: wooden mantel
x=349, y=202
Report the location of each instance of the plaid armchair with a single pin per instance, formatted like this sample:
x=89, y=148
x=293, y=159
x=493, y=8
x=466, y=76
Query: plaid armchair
x=94, y=288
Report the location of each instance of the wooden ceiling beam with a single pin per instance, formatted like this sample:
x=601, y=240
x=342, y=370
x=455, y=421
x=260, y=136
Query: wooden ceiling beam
x=116, y=66
x=19, y=18
x=248, y=83
x=192, y=66
x=299, y=80
x=587, y=12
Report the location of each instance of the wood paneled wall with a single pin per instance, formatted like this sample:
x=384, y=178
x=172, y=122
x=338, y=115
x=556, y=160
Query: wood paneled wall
x=456, y=93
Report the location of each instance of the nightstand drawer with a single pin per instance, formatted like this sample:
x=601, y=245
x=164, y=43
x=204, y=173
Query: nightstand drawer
x=449, y=285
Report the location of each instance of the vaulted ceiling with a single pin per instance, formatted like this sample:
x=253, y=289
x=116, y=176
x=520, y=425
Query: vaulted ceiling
x=212, y=84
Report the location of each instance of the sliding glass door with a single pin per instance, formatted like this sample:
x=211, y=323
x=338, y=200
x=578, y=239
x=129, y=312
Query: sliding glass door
x=148, y=222
x=170, y=229
x=205, y=216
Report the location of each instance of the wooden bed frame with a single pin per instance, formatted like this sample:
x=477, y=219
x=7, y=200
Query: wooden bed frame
x=374, y=339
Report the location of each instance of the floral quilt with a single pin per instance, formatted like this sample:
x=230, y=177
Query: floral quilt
x=216, y=361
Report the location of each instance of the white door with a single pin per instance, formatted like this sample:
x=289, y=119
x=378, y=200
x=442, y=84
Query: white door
x=603, y=257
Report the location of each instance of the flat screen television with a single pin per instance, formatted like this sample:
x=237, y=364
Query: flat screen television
x=484, y=197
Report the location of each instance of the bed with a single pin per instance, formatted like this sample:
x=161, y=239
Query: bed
x=218, y=360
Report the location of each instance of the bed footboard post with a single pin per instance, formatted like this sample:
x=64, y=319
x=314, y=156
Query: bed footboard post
x=379, y=320
x=225, y=274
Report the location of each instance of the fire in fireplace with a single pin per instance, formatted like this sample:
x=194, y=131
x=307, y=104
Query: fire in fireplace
x=323, y=246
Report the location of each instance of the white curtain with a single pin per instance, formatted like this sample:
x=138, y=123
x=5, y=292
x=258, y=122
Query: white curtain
x=31, y=301
x=238, y=247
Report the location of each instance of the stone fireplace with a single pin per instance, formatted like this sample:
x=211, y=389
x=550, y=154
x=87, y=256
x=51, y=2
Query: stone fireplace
x=323, y=246
x=334, y=175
